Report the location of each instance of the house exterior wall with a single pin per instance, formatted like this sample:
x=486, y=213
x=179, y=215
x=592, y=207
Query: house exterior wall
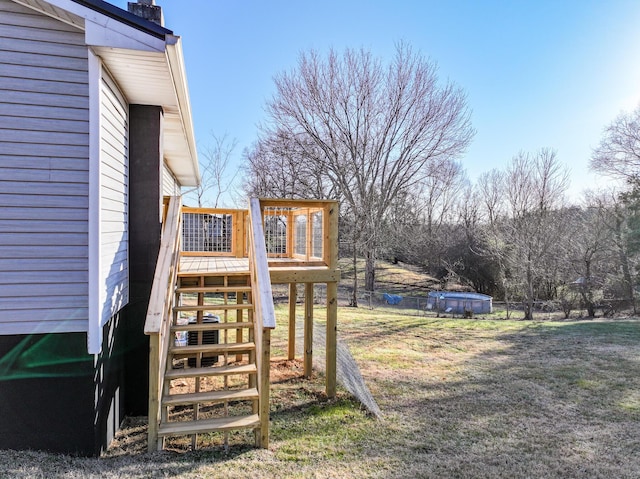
x=81, y=184
x=44, y=179
x=44, y=405
x=44, y=151
x=56, y=397
x=114, y=199
x=170, y=185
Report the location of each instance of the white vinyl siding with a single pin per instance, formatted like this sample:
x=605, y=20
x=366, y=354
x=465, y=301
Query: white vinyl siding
x=44, y=173
x=114, y=199
x=170, y=185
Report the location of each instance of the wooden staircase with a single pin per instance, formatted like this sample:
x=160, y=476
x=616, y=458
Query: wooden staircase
x=209, y=340
x=211, y=377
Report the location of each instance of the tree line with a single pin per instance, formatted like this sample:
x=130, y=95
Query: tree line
x=386, y=141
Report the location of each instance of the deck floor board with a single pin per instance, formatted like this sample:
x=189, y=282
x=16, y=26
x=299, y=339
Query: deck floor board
x=208, y=264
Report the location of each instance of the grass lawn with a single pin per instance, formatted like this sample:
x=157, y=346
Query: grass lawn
x=460, y=398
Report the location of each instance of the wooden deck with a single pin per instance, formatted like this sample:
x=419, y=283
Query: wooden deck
x=198, y=265
x=282, y=271
x=206, y=252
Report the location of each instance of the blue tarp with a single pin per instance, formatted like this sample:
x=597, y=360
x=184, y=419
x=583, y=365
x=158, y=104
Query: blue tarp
x=391, y=298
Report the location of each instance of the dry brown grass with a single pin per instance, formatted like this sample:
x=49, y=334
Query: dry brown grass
x=460, y=398
x=402, y=278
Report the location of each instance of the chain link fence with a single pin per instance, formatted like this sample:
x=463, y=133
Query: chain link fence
x=410, y=305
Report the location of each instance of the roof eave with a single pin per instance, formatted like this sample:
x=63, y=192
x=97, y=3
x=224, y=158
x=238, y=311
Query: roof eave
x=178, y=73
x=132, y=33
x=126, y=17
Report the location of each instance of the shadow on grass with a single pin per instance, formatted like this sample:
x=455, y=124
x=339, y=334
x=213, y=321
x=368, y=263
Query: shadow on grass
x=545, y=400
x=474, y=399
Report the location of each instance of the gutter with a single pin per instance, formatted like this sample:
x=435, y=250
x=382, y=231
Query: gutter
x=179, y=77
x=126, y=18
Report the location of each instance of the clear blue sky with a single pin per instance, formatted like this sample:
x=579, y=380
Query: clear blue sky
x=540, y=73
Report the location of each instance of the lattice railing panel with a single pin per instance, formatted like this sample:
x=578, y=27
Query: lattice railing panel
x=206, y=232
x=276, y=231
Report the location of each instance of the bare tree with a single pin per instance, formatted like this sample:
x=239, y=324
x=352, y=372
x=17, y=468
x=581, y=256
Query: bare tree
x=617, y=217
x=523, y=241
x=588, y=249
x=618, y=154
x=274, y=168
x=419, y=221
x=469, y=210
x=216, y=177
x=467, y=243
x=373, y=130
x=490, y=190
x=438, y=193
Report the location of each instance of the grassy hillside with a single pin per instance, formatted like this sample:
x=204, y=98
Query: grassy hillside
x=393, y=278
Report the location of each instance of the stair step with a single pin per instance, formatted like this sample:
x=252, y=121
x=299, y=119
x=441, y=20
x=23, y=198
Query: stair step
x=213, y=274
x=210, y=396
x=211, y=326
x=209, y=425
x=213, y=348
x=214, y=289
x=214, y=307
x=211, y=371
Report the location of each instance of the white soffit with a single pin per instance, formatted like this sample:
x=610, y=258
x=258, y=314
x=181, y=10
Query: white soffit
x=147, y=78
x=144, y=77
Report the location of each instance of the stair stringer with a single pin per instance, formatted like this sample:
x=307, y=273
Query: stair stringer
x=211, y=382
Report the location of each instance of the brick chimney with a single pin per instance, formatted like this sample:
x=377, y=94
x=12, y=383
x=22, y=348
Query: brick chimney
x=148, y=10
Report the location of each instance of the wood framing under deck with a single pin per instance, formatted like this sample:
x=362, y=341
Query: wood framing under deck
x=286, y=272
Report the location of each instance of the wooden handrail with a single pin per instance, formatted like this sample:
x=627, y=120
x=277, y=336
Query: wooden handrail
x=165, y=269
x=158, y=321
x=264, y=313
x=304, y=203
x=212, y=211
x=261, y=279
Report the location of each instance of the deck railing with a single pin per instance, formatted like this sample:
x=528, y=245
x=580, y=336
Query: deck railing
x=158, y=321
x=214, y=232
x=304, y=231
x=301, y=230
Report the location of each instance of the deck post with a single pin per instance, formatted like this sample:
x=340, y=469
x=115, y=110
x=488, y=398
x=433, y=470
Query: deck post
x=332, y=338
x=265, y=365
x=308, y=329
x=293, y=297
x=154, y=389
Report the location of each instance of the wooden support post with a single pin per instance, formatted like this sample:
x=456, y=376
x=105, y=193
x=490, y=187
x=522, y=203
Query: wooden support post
x=154, y=392
x=291, y=230
x=238, y=247
x=332, y=338
x=309, y=235
x=293, y=297
x=308, y=329
x=264, y=388
x=330, y=235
